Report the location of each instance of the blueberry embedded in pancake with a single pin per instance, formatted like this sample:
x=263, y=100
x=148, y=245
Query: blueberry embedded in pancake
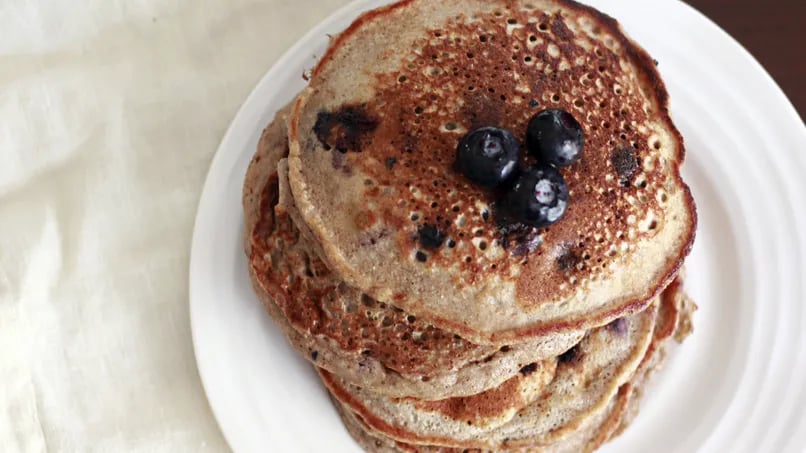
x=344, y=129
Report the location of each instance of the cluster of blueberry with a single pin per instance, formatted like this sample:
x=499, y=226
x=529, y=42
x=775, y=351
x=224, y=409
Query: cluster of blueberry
x=536, y=195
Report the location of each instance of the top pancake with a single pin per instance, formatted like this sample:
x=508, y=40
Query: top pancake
x=373, y=345
x=373, y=140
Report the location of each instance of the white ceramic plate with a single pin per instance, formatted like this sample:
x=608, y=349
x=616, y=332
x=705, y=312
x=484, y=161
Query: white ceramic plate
x=738, y=384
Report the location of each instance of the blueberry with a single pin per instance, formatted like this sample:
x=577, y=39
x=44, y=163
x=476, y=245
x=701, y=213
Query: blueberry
x=555, y=137
x=488, y=156
x=538, y=198
x=430, y=237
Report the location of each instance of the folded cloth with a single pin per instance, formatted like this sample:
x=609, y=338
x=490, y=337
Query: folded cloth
x=110, y=113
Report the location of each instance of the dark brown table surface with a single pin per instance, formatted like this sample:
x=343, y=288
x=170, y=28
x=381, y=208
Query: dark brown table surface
x=774, y=32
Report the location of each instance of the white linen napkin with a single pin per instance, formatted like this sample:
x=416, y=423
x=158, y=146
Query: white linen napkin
x=110, y=113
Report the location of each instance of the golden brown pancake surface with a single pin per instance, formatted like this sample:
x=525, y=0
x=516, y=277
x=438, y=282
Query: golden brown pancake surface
x=372, y=154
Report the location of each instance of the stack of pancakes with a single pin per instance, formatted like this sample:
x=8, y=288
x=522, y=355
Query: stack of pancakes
x=436, y=325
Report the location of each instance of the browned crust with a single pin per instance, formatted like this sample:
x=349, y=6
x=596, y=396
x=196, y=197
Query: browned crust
x=651, y=76
x=365, y=414
x=608, y=429
x=490, y=403
x=669, y=315
x=627, y=400
x=256, y=179
x=368, y=442
x=375, y=422
x=372, y=441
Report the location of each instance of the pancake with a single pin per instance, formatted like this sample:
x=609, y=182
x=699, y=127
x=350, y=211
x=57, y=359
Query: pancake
x=598, y=430
x=371, y=154
x=486, y=411
x=586, y=380
x=369, y=343
x=673, y=321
